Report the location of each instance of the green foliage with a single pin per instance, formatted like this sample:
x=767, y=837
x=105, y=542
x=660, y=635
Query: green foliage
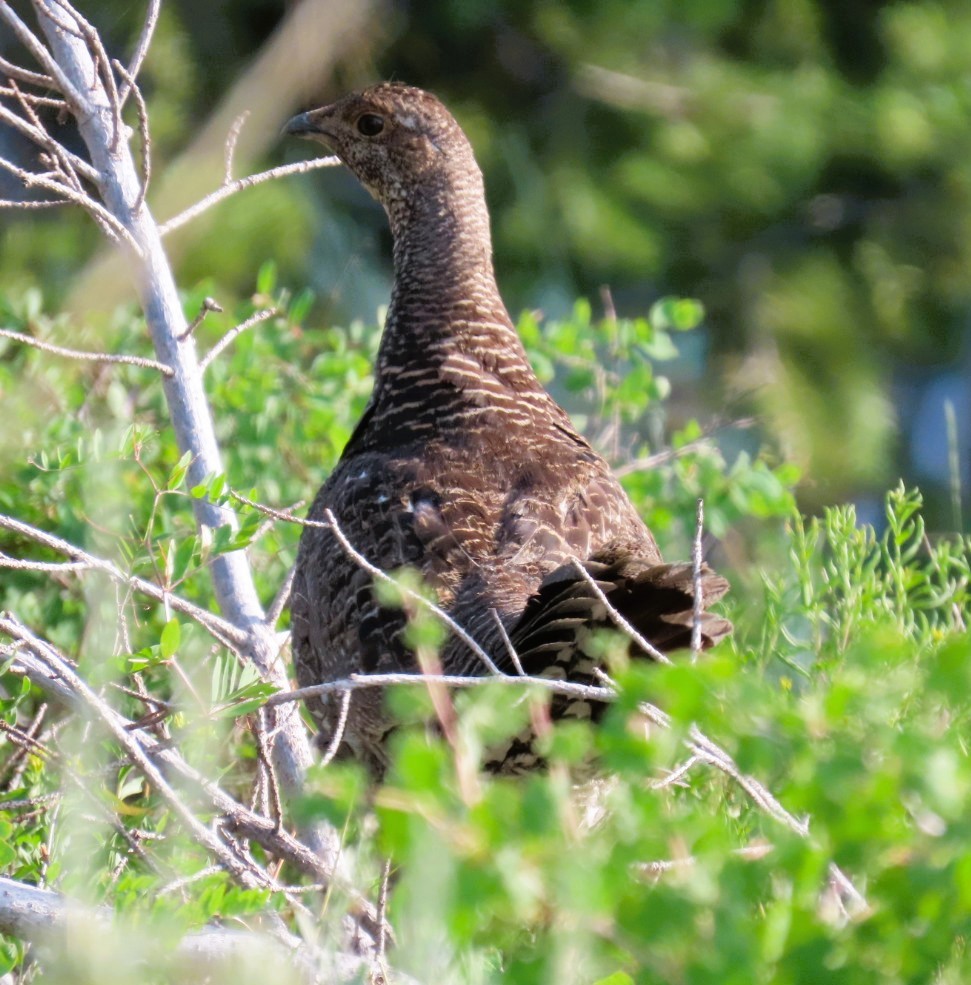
x=845, y=691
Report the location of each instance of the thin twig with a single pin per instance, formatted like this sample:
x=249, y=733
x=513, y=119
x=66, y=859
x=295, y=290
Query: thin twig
x=697, y=601
x=234, y=333
x=659, y=458
x=94, y=357
x=44, y=58
x=358, y=682
x=102, y=63
x=649, y=648
x=222, y=630
x=107, y=221
x=40, y=137
x=338, y=737
x=208, y=304
x=237, y=185
x=231, y=140
x=508, y=644
x=281, y=599
x=141, y=49
x=142, y=132
x=372, y=569
x=25, y=74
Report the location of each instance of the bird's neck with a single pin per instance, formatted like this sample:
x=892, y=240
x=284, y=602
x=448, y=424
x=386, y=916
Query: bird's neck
x=445, y=299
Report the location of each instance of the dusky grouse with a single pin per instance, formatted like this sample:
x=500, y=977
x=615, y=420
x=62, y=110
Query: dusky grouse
x=462, y=466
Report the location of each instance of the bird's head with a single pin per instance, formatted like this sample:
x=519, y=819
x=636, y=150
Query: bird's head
x=399, y=141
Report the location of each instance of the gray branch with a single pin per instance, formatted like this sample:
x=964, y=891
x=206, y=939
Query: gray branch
x=95, y=109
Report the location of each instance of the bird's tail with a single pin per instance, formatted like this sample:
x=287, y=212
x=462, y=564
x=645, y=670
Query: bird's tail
x=656, y=600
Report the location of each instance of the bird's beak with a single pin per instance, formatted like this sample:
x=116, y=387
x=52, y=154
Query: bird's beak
x=311, y=125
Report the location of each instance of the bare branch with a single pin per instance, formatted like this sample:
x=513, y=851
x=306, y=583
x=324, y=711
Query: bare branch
x=222, y=630
x=248, y=875
x=57, y=77
x=223, y=192
x=142, y=132
x=141, y=49
x=25, y=75
x=231, y=140
x=649, y=648
x=357, y=682
x=8, y=203
x=696, y=558
x=507, y=643
x=43, y=139
x=234, y=333
x=338, y=737
x=279, y=603
x=712, y=754
x=372, y=569
x=95, y=357
x=208, y=304
x=98, y=211
x=653, y=461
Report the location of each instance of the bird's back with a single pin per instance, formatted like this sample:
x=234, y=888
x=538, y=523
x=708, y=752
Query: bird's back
x=463, y=467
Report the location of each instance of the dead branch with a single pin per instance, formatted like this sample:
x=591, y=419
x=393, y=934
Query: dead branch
x=94, y=357
x=239, y=184
x=256, y=319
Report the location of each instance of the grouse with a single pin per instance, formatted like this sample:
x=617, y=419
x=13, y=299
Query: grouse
x=462, y=465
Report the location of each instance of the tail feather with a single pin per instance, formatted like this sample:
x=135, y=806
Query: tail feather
x=657, y=600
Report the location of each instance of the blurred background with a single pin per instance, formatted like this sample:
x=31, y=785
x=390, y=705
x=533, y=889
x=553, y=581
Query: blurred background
x=802, y=167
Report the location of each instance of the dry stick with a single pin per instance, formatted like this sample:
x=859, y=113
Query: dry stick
x=697, y=606
x=208, y=304
x=226, y=633
x=648, y=647
x=255, y=826
x=372, y=569
x=58, y=79
x=25, y=75
x=49, y=567
x=61, y=158
x=279, y=603
x=9, y=203
x=234, y=333
x=94, y=357
x=13, y=768
x=357, y=682
x=142, y=132
x=237, y=185
x=191, y=416
x=231, y=140
x=335, y=740
x=107, y=221
x=507, y=643
x=42, y=138
x=141, y=49
x=250, y=876
x=32, y=98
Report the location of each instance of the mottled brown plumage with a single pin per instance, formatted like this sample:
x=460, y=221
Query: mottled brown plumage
x=462, y=465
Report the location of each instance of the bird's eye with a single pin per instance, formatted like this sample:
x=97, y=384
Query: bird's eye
x=370, y=124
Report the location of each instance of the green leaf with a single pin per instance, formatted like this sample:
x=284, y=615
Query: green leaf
x=170, y=638
x=266, y=278
x=178, y=472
